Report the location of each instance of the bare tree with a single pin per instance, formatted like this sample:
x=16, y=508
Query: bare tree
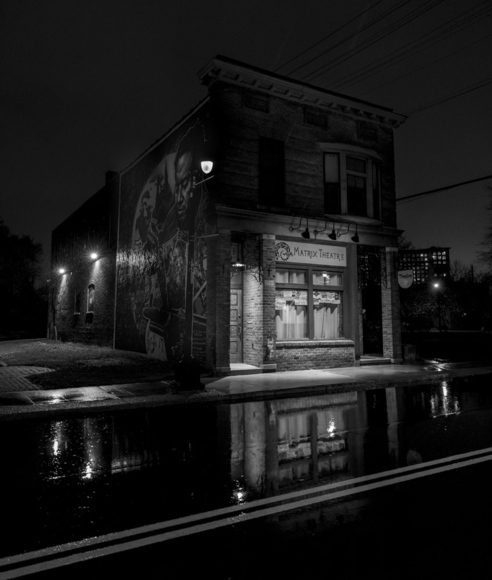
x=485, y=255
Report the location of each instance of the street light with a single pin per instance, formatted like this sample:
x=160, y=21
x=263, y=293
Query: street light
x=437, y=286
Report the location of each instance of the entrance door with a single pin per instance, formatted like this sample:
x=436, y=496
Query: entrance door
x=236, y=328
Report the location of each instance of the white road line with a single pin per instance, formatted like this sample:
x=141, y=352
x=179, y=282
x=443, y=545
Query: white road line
x=236, y=515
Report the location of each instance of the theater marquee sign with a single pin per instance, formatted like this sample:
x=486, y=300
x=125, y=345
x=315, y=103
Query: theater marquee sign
x=314, y=254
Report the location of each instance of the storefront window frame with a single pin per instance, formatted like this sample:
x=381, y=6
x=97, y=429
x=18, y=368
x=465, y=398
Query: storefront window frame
x=310, y=287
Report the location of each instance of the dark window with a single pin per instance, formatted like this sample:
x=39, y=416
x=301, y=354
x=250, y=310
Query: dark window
x=367, y=131
x=271, y=172
x=376, y=191
x=315, y=117
x=258, y=102
x=90, y=298
x=77, y=302
x=332, y=183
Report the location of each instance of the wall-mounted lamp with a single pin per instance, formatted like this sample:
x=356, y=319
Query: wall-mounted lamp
x=239, y=265
x=355, y=238
x=305, y=234
x=333, y=235
x=337, y=234
x=207, y=166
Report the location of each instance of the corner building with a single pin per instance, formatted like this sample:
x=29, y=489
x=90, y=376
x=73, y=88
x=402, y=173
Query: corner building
x=282, y=254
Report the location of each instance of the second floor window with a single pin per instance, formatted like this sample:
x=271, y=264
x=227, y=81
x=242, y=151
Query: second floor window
x=352, y=183
x=271, y=172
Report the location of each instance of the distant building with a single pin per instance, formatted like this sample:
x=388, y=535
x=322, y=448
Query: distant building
x=427, y=264
x=256, y=262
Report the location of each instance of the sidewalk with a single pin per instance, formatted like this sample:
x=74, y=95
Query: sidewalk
x=19, y=396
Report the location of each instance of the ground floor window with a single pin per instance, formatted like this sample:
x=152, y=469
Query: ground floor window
x=308, y=303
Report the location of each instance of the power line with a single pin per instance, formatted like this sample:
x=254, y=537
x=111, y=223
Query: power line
x=423, y=66
x=438, y=189
x=446, y=98
x=350, y=36
x=373, y=39
x=326, y=37
x=425, y=41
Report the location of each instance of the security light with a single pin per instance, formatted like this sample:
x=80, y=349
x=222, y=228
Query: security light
x=207, y=166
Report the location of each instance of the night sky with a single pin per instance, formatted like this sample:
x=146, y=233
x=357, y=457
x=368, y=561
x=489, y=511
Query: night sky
x=87, y=86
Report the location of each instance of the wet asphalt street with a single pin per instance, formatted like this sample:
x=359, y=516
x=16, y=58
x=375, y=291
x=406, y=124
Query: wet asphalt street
x=386, y=482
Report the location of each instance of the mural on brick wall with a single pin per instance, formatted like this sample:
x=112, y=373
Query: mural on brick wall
x=163, y=210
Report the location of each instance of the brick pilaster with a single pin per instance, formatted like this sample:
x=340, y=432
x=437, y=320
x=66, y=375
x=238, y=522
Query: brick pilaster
x=390, y=298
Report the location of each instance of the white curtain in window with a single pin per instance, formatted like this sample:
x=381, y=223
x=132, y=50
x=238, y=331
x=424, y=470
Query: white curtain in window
x=291, y=321
x=326, y=321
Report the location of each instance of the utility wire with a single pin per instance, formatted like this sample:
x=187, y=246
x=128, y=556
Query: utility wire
x=326, y=37
x=422, y=67
x=393, y=27
x=352, y=35
x=427, y=40
x=408, y=198
x=444, y=99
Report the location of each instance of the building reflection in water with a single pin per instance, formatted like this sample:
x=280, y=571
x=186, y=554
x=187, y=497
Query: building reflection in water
x=123, y=469
x=443, y=401
x=260, y=447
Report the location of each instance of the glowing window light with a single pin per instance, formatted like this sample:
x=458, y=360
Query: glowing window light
x=331, y=428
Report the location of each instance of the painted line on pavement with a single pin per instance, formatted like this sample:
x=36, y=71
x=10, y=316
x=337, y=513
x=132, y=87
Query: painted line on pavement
x=91, y=548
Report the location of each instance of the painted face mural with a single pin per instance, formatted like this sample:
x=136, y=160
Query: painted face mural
x=161, y=208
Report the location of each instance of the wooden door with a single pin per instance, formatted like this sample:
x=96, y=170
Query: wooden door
x=236, y=326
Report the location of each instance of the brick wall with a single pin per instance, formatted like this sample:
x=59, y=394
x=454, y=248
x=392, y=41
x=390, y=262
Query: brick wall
x=240, y=127
x=218, y=300
x=91, y=228
x=82, y=326
x=391, y=309
x=300, y=355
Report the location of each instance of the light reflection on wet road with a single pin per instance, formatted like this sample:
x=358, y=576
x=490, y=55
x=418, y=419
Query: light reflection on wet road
x=67, y=479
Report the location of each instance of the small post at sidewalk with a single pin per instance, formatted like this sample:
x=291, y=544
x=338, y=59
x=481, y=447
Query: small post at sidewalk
x=187, y=374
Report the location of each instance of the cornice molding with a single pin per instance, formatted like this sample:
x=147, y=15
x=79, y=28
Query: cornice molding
x=234, y=72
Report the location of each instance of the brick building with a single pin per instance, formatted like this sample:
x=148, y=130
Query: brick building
x=426, y=264
x=257, y=261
